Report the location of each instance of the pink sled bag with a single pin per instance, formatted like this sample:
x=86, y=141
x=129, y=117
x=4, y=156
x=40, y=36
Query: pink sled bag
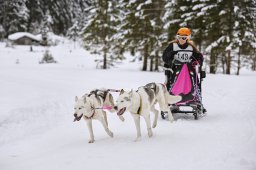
x=183, y=83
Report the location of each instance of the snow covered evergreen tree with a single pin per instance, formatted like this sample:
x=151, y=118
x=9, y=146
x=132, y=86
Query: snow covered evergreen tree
x=100, y=29
x=229, y=27
x=14, y=15
x=155, y=10
x=79, y=13
x=141, y=28
x=35, y=16
x=175, y=16
x=245, y=35
x=47, y=58
x=73, y=32
x=45, y=28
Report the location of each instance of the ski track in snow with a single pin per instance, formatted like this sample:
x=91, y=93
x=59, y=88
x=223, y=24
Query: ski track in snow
x=37, y=132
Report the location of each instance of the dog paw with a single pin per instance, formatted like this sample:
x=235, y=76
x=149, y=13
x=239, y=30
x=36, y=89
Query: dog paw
x=91, y=141
x=171, y=119
x=150, y=134
x=137, y=139
x=154, y=125
x=111, y=134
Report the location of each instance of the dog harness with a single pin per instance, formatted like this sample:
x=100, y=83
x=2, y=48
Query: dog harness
x=95, y=92
x=92, y=108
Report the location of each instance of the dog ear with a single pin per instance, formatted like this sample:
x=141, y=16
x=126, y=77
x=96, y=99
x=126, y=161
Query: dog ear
x=85, y=99
x=109, y=99
x=131, y=93
x=76, y=98
x=121, y=92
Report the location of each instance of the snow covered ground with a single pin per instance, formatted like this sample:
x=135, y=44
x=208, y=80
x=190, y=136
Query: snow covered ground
x=37, y=131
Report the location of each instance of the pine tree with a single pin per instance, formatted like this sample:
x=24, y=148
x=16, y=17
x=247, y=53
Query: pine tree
x=155, y=10
x=127, y=32
x=45, y=28
x=35, y=16
x=197, y=20
x=79, y=14
x=141, y=28
x=100, y=28
x=144, y=28
x=73, y=32
x=245, y=31
x=14, y=15
x=226, y=43
x=179, y=15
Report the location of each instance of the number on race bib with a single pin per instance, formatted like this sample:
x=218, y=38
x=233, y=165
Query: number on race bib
x=183, y=56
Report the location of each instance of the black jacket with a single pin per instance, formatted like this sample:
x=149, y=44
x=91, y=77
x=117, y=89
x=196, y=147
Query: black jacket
x=168, y=56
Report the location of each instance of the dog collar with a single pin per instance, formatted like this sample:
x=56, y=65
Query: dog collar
x=91, y=115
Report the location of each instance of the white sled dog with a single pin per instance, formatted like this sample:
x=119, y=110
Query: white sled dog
x=141, y=102
x=89, y=106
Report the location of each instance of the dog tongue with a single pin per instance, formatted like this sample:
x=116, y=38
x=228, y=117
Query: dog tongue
x=120, y=112
x=77, y=118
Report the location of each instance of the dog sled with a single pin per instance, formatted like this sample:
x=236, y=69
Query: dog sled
x=186, y=80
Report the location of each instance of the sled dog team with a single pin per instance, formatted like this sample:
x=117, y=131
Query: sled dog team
x=139, y=103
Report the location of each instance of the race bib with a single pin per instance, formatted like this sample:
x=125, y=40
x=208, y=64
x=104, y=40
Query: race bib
x=183, y=56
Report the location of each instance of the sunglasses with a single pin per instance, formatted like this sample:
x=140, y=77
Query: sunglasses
x=179, y=37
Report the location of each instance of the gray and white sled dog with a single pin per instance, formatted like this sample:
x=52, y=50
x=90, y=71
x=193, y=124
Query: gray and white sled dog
x=89, y=106
x=163, y=98
x=139, y=103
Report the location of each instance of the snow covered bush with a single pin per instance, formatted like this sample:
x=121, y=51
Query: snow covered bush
x=47, y=58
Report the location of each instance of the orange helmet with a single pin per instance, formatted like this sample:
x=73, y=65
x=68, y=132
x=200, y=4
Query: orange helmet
x=184, y=31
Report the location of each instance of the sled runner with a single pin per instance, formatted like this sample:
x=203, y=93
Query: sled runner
x=186, y=81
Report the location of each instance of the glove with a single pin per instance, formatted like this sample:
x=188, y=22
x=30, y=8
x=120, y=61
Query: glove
x=194, y=63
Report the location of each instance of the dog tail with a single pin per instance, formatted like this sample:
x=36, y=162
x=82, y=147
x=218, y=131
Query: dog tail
x=170, y=99
x=166, y=94
x=173, y=99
